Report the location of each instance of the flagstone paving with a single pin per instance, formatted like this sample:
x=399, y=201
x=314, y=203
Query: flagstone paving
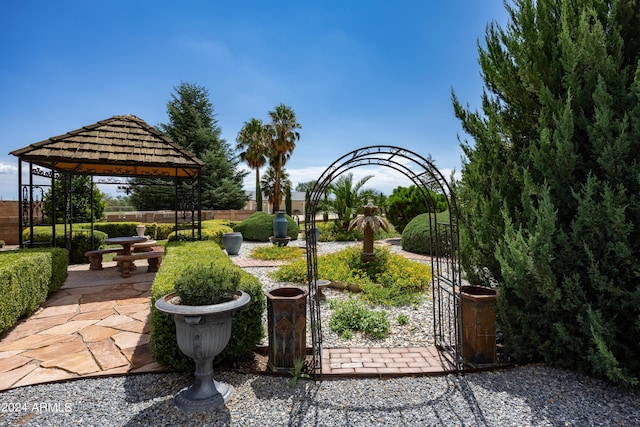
x=98, y=324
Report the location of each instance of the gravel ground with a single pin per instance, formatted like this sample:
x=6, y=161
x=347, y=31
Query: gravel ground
x=525, y=396
x=522, y=396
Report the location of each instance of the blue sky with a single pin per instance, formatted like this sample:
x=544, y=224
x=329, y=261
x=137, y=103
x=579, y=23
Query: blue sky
x=356, y=73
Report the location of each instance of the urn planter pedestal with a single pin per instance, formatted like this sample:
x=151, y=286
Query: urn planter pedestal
x=202, y=333
x=280, y=227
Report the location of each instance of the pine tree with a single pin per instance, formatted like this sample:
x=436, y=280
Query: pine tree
x=550, y=189
x=193, y=125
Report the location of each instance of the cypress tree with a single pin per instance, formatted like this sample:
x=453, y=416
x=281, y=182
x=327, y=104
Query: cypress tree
x=550, y=187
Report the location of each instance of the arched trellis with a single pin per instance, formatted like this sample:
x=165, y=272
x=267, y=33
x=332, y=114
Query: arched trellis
x=444, y=244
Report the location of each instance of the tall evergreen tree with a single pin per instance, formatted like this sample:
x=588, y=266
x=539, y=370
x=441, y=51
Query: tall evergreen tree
x=192, y=125
x=550, y=188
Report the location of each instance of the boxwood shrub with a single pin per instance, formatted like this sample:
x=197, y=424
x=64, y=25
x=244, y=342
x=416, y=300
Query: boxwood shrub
x=26, y=278
x=210, y=231
x=416, y=235
x=247, y=329
x=59, y=265
x=259, y=227
x=80, y=240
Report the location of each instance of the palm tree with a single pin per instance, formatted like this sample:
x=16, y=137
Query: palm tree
x=268, y=183
x=348, y=197
x=284, y=135
x=253, y=143
x=368, y=224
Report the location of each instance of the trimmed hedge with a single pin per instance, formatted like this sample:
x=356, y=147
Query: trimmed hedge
x=247, y=329
x=259, y=227
x=417, y=233
x=80, y=240
x=59, y=265
x=26, y=278
x=210, y=231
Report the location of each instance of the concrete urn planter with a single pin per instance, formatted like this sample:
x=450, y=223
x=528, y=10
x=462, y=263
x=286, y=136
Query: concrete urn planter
x=202, y=333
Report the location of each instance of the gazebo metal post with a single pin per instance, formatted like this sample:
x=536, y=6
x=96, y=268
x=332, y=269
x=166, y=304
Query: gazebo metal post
x=31, y=230
x=199, y=184
x=20, y=204
x=54, y=207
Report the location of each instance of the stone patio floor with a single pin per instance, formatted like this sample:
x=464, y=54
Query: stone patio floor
x=98, y=324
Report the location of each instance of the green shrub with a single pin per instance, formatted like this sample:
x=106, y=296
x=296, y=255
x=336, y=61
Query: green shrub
x=247, y=328
x=81, y=240
x=402, y=319
x=390, y=280
x=59, y=266
x=353, y=315
x=332, y=231
x=159, y=231
x=212, y=231
x=405, y=203
x=277, y=253
x=112, y=229
x=206, y=285
x=417, y=236
x=25, y=278
x=259, y=227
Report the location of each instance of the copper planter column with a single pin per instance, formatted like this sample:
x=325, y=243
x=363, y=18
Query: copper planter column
x=479, y=325
x=287, y=327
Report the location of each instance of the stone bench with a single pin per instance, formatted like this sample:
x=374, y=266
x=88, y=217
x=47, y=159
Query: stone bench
x=95, y=257
x=153, y=258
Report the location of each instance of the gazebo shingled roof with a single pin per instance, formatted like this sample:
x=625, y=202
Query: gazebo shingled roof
x=119, y=146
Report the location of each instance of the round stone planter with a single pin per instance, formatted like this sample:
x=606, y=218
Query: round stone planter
x=232, y=242
x=202, y=333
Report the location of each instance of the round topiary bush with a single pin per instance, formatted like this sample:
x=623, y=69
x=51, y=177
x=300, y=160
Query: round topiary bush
x=259, y=227
x=416, y=237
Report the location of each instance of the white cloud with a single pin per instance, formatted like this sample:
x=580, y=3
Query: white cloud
x=8, y=169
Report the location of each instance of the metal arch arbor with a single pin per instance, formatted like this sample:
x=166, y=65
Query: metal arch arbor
x=444, y=244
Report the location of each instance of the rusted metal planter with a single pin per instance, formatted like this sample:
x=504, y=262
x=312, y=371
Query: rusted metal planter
x=479, y=325
x=287, y=324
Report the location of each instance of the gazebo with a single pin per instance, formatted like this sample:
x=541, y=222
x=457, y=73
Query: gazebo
x=120, y=147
